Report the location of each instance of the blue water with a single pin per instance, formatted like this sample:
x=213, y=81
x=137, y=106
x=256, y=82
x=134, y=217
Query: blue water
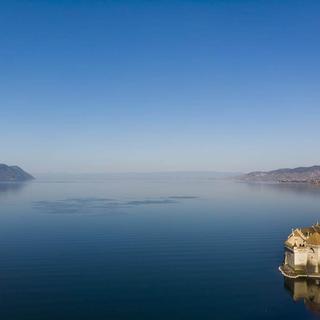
x=149, y=248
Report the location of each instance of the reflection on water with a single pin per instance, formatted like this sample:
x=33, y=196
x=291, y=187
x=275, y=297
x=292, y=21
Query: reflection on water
x=98, y=205
x=307, y=290
x=296, y=188
x=11, y=187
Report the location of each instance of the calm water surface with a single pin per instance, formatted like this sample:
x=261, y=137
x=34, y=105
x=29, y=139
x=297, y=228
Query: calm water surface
x=151, y=248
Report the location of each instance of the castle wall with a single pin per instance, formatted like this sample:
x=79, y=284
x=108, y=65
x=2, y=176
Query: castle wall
x=296, y=258
x=289, y=258
x=313, y=261
x=300, y=258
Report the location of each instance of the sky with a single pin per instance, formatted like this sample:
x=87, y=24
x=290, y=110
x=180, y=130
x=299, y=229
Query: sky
x=118, y=86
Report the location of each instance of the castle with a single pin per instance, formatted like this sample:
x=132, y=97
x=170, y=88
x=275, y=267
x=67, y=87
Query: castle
x=302, y=253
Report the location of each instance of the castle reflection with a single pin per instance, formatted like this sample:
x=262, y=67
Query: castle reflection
x=11, y=187
x=307, y=290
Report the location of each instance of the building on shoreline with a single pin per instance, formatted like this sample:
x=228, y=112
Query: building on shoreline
x=302, y=253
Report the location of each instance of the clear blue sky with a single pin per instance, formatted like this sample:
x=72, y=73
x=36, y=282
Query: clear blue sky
x=91, y=86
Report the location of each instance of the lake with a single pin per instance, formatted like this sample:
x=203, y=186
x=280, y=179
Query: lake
x=151, y=247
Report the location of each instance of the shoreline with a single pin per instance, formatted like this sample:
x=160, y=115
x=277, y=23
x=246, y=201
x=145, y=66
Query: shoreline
x=293, y=275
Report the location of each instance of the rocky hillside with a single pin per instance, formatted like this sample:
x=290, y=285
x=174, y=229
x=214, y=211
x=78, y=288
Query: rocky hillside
x=301, y=174
x=13, y=173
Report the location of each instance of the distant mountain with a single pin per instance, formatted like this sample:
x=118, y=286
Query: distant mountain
x=13, y=173
x=300, y=174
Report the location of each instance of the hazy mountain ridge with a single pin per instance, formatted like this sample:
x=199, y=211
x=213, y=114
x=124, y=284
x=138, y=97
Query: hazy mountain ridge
x=13, y=173
x=300, y=174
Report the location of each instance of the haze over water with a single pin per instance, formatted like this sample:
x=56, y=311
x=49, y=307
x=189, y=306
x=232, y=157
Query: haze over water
x=149, y=247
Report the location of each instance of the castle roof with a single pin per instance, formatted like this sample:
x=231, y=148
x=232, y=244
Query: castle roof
x=307, y=235
x=299, y=233
x=308, y=230
x=314, y=239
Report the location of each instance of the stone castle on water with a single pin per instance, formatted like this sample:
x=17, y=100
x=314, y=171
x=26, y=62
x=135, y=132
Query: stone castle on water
x=302, y=253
